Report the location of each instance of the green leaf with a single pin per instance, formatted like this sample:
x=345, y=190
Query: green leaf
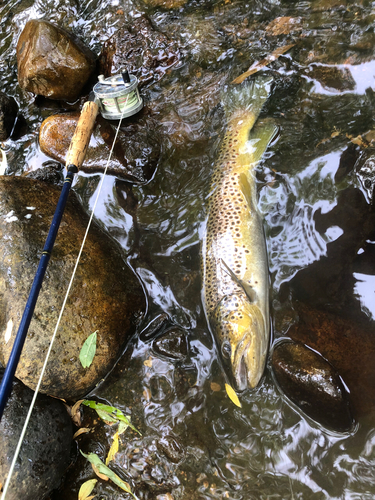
x=103, y=469
x=122, y=426
x=88, y=350
x=110, y=413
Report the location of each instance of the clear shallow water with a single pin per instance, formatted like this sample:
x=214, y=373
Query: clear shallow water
x=324, y=101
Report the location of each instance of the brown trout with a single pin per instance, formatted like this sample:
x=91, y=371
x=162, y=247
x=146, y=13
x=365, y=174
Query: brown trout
x=234, y=257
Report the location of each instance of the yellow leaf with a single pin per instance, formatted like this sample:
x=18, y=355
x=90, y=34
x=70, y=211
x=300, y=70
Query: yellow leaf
x=113, y=449
x=260, y=64
x=86, y=488
x=99, y=474
x=232, y=395
x=148, y=362
x=82, y=430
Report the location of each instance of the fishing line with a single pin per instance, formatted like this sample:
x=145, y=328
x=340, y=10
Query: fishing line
x=31, y=407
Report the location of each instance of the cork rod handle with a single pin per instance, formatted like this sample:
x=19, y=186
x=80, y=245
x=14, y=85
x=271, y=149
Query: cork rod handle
x=81, y=137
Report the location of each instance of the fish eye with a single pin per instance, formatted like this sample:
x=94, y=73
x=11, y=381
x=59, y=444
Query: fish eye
x=226, y=350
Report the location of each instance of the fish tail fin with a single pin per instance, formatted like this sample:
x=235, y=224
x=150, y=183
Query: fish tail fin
x=261, y=135
x=250, y=96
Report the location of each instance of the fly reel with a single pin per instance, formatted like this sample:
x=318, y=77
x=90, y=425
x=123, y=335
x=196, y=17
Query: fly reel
x=118, y=96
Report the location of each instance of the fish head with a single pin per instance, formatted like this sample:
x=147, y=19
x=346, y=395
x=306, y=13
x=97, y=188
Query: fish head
x=243, y=336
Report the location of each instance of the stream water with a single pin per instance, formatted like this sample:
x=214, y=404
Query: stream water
x=318, y=209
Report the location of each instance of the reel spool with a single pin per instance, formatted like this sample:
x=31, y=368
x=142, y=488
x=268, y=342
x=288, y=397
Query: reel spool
x=118, y=96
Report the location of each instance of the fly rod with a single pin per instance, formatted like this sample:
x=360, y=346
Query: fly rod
x=116, y=97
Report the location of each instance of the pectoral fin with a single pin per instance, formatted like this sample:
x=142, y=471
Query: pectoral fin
x=248, y=289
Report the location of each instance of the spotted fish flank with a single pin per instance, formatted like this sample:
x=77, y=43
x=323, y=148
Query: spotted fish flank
x=234, y=258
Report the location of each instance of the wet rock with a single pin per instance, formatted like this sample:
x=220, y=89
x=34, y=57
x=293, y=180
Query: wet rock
x=154, y=328
x=146, y=52
x=106, y=295
x=332, y=77
x=328, y=283
x=50, y=174
x=8, y=115
x=312, y=384
x=172, y=344
x=284, y=26
x=165, y=4
x=135, y=155
x=347, y=345
x=52, y=62
x=45, y=453
x=365, y=171
x=171, y=448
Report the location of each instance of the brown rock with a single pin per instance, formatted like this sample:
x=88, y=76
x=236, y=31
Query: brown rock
x=284, y=26
x=312, y=384
x=172, y=344
x=106, y=295
x=135, y=155
x=145, y=51
x=165, y=4
x=8, y=115
x=347, y=345
x=52, y=62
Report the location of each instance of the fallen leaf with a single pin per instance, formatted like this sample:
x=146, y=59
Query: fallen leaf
x=215, y=387
x=98, y=473
x=113, y=449
x=232, y=395
x=86, y=488
x=76, y=414
x=122, y=426
x=104, y=470
x=148, y=362
x=109, y=414
x=357, y=140
x=82, y=430
x=88, y=350
x=260, y=64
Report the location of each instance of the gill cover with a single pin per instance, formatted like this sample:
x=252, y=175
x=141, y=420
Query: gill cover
x=241, y=325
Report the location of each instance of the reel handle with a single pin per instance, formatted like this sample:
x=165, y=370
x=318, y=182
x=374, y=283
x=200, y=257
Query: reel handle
x=82, y=134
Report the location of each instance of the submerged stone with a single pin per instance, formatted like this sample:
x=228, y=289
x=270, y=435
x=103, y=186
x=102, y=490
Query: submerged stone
x=365, y=171
x=45, y=452
x=332, y=77
x=146, y=52
x=135, y=155
x=312, y=384
x=106, y=296
x=172, y=344
x=346, y=344
x=8, y=115
x=52, y=62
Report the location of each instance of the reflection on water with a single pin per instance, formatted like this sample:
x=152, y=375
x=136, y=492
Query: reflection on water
x=315, y=221
x=288, y=206
x=364, y=289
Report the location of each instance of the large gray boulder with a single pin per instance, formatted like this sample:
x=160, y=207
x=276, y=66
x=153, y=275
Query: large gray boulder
x=106, y=295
